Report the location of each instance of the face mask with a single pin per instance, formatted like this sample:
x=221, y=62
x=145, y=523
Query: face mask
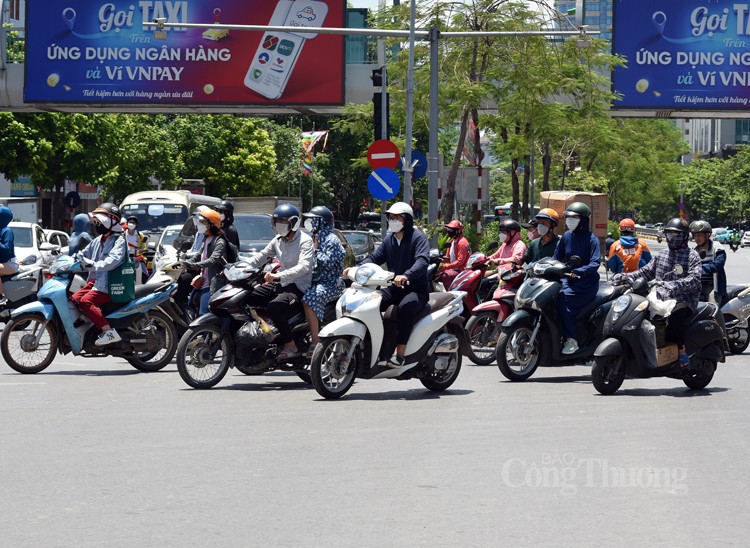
x=282, y=229
x=100, y=229
x=502, y=237
x=223, y=217
x=202, y=228
x=395, y=226
x=309, y=225
x=675, y=240
x=572, y=223
x=132, y=226
x=542, y=229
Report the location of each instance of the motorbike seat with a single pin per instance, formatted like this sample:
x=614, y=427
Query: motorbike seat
x=7, y=277
x=606, y=292
x=734, y=290
x=437, y=300
x=704, y=311
x=140, y=291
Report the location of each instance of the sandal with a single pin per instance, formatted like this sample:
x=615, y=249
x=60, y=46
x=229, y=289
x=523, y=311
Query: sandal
x=684, y=360
x=287, y=354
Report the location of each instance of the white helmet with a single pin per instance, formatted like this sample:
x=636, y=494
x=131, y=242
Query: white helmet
x=400, y=208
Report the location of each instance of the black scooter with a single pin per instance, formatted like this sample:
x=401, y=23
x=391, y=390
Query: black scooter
x=635, y=345
x=531, y=335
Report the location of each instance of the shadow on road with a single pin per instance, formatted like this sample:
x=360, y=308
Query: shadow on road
x=406, y=395
x=677, y=392
x=97, y=373
x=576, y=378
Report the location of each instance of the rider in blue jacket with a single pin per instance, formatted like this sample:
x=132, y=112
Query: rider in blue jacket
x=8, y=263
x=581, y=287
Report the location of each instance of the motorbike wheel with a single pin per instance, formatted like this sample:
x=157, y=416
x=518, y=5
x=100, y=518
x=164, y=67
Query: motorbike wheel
x=329, y=378
x=607, y=374
x=155, y=361
x=738, y=344
x=194, y=362
x=701, y=379
x=516, y=359
x=442, y=380
x=482, y=330
x=19, y=345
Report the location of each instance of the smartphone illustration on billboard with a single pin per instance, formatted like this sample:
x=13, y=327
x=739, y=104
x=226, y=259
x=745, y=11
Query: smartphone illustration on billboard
x=277, y=52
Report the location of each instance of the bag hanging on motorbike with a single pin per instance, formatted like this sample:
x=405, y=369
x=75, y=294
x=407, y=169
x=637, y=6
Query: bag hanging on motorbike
x=122, y=282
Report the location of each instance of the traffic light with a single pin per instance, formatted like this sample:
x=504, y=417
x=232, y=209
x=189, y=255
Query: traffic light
x=377, y=77
x=378, y=116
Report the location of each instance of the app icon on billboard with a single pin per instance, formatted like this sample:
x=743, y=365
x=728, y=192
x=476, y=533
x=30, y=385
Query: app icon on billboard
x=257, y=73
x=263, y=58
x=270, y=42
x=306, y=13
x=286, y=47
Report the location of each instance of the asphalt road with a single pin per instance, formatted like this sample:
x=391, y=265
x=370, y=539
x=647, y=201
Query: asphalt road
x=97, y=454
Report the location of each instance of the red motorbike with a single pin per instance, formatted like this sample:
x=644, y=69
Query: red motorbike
x=483, y=328
x=469, y=280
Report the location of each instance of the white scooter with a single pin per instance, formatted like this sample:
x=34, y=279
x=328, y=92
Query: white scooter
x=351, y=346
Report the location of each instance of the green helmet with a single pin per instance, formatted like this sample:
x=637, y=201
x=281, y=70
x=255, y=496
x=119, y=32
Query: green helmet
x=578, y=208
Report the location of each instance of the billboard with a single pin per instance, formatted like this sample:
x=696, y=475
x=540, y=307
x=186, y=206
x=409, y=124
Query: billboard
x=99, y=51
x=682, y=54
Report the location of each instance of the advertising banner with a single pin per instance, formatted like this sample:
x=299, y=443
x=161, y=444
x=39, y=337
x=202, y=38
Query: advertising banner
x=98, y=51
x=682, y=54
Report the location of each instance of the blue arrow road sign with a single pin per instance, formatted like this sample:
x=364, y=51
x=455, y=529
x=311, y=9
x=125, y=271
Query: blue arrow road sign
x=419, y=163
x=383, y=183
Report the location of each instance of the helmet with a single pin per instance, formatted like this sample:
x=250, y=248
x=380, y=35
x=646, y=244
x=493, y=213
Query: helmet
x=210, y=216
x=132, y=218
x=458, y=225
x=108, y=214
x=287, y=213
x=627, y=225
x=322, y=212
x=549, y=213
x=509, y=225
x=400, y=208
x=226, y=206
x=676, y=225
x=109, y=209
x=578, y=208
x=700, y=226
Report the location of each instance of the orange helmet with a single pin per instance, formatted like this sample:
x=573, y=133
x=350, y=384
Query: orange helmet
x=549, y=213
x=455, y=224
x=627, y=225
x=212, y=216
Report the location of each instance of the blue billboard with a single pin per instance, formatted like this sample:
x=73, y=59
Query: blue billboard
x=682, y=54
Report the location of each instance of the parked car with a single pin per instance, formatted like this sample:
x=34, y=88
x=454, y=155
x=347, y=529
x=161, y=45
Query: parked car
x=29, y=239
x=363, y=242
x=723, y=235
x=745, y=239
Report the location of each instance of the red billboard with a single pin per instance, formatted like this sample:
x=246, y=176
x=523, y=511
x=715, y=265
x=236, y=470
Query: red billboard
x=106, y=52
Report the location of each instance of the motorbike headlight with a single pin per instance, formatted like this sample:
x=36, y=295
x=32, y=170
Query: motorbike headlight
x=364, y=273
x=620, y=305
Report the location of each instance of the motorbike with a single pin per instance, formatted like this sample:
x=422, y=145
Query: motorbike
x=735, y=240
x=433, y=270
x=531, y=336
x=38, y=330
x=635, y=344
x=736, y=312
x=487, y=317
x=469, y=281
x=235, y=335
x=358, y=343
x=21, y=288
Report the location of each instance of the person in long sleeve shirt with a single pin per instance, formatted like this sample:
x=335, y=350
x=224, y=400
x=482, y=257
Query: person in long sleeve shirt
x=682, y=284
x=282, y=293
x=458, y=253
x=580, y=288
x=511, y=250
x=406, y=250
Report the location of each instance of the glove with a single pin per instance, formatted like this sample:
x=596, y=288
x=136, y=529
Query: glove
x=190, y=265
x=618, y=279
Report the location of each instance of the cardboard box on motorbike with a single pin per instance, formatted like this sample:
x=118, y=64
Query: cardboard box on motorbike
x=598, y=202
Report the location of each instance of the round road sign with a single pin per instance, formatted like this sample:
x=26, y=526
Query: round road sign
x=383, y=153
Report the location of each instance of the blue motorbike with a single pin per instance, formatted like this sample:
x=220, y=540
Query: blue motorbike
x=38, y=330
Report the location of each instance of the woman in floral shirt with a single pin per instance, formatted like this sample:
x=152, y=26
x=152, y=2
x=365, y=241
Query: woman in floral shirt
x=329, y=263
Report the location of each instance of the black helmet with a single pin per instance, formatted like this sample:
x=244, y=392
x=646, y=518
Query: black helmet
x=226, y=206
x=676, y=225
x=287, y=213
x=578, y=208
x=109, y=209
x=321, y=212
x=132, y=218
x=509, y=225
x=697, y=227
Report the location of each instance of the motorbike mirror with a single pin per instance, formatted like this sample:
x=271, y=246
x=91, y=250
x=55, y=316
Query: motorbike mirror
x=186, y=245
x=493, y=246
x=639, y=285
x=151, y=246
x=574, y=261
